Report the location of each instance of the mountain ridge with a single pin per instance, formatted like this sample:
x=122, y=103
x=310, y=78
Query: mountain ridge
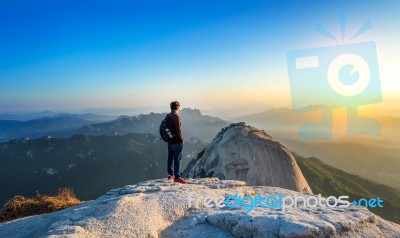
x=88, y=164
x=62, y=126
x=194, y=124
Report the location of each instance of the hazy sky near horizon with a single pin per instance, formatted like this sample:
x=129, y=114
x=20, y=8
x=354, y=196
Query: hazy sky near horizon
x=62, y=55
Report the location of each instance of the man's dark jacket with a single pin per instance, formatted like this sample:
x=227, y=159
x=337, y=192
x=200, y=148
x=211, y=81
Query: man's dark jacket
x=175, y=127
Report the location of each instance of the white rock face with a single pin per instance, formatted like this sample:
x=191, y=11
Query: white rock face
x=159, y=208
x=245, y=153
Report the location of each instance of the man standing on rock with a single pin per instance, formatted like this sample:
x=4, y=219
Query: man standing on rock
x=175, y=147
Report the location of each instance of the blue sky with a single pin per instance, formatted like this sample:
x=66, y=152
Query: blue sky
x=67, y=55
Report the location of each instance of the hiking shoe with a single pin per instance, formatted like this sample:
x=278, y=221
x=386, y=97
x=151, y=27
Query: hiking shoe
x=180, y=180
x=171, y=177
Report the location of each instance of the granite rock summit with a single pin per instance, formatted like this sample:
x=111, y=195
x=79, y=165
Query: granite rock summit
x=242, y=152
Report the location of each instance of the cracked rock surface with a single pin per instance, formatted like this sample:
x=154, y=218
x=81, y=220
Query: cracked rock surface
x=160, y=208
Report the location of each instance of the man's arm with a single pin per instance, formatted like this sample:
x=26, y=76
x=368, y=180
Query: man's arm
x=176, y=127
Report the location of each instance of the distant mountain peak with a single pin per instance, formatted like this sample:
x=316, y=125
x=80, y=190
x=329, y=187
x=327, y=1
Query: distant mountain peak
x=123, y=117
x=192, y=111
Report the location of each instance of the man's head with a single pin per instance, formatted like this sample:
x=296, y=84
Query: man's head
x=174, y=106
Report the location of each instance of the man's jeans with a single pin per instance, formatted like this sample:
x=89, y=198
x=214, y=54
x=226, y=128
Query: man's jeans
x=175, y=156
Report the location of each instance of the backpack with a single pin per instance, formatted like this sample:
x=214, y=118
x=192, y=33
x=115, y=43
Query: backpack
x=165, y=132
